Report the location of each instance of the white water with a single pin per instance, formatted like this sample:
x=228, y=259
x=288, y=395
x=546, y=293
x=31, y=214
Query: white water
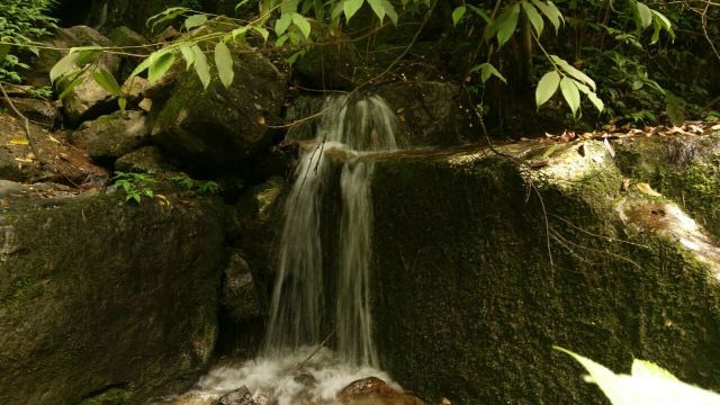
x=299, y=320
x=297, y=316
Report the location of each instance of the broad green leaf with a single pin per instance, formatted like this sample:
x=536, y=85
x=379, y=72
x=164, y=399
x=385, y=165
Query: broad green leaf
x=350, y=7
x=107, y=82
x=159, y=66
x=571, y=93
x=224, y=64
x=535, y=18
x=201, y=66
x=551, y=13
x=262, y=31
x=302, y=23
x=87, y=57
x=656, y=33
x=293, y=58
x=238, y=32
x=458, y=14
x=63, y=66
x=288, y=6
x=281, y=40
x=547, y=87
x=122, y=103
x=390, y=11
x=664, y=23
x=195, y=21
x=142, y=66
x=487, y=70
x=507, y=23
x=644, y=14
x=481, y=13
x=377, y=7
x=71, y=86
x=283, y=23
x=187, y=54
x=4, y=50
x=573, y=71
x=592, y=96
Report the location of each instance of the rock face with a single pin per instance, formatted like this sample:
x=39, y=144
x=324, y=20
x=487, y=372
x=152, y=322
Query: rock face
x=481, y=266
x=220, y=128
x=241, y=396
x=88, y=100
x=431, y=113
x=148, y=159
x=112, y=136
x=98, y=296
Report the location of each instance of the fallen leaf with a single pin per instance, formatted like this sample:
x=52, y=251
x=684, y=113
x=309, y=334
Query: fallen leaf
x=52, y=138
x=18, y=141
x=609, y=147
x=646, y=189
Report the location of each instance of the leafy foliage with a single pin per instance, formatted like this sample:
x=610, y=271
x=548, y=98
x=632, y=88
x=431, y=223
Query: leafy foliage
x=21, y=21
x=135, y=185
x=649, y=384
x=202, y=187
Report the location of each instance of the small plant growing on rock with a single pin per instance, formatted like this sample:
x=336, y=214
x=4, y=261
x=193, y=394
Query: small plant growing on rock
x=135, y=185
x=202, y=187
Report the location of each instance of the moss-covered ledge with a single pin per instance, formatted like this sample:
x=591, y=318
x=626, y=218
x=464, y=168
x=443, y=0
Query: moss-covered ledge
x=100, y=296
x=481, y=265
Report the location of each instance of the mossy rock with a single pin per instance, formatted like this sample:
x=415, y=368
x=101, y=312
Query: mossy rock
x=482, y=264
x=98, y=293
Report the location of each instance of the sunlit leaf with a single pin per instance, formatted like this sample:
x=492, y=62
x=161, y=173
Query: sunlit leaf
x=159, y=66
x=571, y=94
x=547, y=87
x=458, y=14
x=224, y=64
x=378, y=8
x=644, y=14
x=201, y=66
x=63, y=66
x=188, y=55
x=350, y=7
x=535, y=18
x=302, y=23
x=107, y=82
x=195, y=21
x=552, y=14
x=507, y=23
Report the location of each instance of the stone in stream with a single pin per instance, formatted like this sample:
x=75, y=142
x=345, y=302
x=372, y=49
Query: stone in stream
x=374, y=391
x=241, y=396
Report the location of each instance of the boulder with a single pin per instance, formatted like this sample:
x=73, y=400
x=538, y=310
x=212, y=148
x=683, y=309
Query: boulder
x=241, y=396
x=101, y=300
x=87, y=100
x=112, y=136
x=239, y=295
x=484, y=261
x=57, y=161
x=41, y=112
x=124, y=36
x=372, y=390
x=219, y=128
x=148, y=159
x=431, y=113
x=328, y=66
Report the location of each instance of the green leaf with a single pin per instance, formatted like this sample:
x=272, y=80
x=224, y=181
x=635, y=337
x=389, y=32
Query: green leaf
x=107, y=82
x=551, y=12
x=283, y=23
x=187, y=54
x=458, y=14
x=507, y=23
x=144, y=65
x=547, y=87
x=571, y=94
x=159, y=66
x=201, y=66
x=71, y=86
x=644, y=14
x=480, y=12
x=224, y=64
x=195, y=21
x=63, y=66
x=377, y=7
x=242, y=3
x=350, y=7
x=487, y=70
x=122, y=103
x=4, y=50
x=262, y=31
x=642, y=368
x=302, y=23
x=390, y=11
x=592, y=96
x=573, y=71
x=535, y=18
x=664, y=23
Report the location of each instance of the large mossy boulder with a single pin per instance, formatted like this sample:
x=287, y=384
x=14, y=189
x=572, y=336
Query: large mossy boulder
x=101, y=300
x=112, y=136
x=485, y=261
x=219, y=128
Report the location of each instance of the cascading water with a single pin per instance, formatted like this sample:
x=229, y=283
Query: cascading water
x=299, y=322
x=296, y=317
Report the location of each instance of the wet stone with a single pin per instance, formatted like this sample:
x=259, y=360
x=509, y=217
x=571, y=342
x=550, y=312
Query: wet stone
x=241, y=396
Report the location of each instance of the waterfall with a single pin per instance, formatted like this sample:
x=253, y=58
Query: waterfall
x=348, y=127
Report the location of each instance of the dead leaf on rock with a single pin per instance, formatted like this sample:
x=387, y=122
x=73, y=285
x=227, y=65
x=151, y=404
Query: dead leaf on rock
x=646, y=189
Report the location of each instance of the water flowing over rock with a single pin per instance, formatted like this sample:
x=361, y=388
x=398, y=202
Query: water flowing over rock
x=347, y=128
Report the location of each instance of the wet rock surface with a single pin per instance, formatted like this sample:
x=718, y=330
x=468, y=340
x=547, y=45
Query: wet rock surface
x=241, y=396
x=112, y=136
x=484, y=265
x=85, y=274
